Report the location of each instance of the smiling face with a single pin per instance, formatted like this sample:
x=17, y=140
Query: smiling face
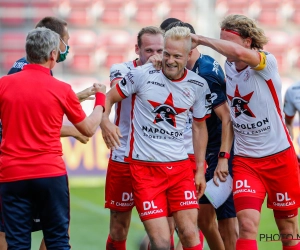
x=150, y=45
x=175, y=56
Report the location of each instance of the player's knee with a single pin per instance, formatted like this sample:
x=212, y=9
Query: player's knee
x=248, y=226
x=228, y=228
x=160, y=243
x=206, y=222
x=119, y=230
x=188, y=235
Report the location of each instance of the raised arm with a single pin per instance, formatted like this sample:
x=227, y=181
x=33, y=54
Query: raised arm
x=200, y=138
x=90, y=124
x=232, y=50
x=86, y=94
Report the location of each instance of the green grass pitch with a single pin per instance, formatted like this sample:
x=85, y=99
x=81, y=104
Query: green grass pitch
x=90, y=222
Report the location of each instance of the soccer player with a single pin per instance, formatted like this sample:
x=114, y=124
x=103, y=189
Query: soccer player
x=118, y=188
x=291, y=106
x=162, y=177
x=32, y=169
x=220, y=136
x=264, y=158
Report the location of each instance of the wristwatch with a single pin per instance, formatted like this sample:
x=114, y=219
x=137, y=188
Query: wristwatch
x=224, y=155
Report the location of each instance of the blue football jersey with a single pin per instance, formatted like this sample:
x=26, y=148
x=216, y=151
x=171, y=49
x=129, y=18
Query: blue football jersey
x=211, y=71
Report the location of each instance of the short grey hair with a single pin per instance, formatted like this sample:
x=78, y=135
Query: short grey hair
x=180, y=33
x=39, y=44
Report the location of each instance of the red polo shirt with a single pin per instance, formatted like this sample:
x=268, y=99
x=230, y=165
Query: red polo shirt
x=32, y=106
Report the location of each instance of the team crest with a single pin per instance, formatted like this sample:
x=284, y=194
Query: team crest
x=166, y=111
x=240, y=103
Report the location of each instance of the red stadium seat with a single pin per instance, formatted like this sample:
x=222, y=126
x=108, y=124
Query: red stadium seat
x=44, y=3
x=180, y=9
x=13, y=42
x=279, y=46
x=114, y=46
x=83, y=63
x=80, y=17
x=9, y=58
x=270, y=4
x=39, y=13
x=12, y=3
x=296, y=16
x=270, y=17
x=113, y=13
x=84, y=40
x=296, y=50
x=13, y=16
x=82, y=48
x=145, y=13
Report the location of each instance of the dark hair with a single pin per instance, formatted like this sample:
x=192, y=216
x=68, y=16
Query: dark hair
x=180, y=24
x=167, y=22
x=55, y=24
x=148, y=30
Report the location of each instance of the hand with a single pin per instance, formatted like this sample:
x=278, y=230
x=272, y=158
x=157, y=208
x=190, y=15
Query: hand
x=221, y=171
x=111, y=134
x=99, y=88
x=83, y=139
x=156, y=60
x=200, y=182
x=194, y=40
x=86, y=93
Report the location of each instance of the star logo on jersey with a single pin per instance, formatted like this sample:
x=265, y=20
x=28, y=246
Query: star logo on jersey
x=240, y=103
x=166, y=111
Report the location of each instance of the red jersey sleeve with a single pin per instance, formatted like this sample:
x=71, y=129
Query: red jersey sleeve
x=73, y=109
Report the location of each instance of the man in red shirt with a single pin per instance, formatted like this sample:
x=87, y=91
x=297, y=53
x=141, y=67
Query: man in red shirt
x=32, y=169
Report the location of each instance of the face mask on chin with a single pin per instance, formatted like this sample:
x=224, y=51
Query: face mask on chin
x=63, y=55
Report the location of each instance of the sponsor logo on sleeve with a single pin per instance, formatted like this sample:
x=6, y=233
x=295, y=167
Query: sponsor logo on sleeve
x=153, y=71
x=196, y=82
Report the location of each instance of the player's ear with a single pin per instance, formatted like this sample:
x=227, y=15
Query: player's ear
x=137, y=49
x=248, y=42
x=53, y=55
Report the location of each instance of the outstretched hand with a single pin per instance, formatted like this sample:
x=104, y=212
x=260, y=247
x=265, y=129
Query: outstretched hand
x=221, y=171
x=98, y=87
x=194, y=40
x=111, y=134
x=200, y=183
x=82, y=138
x=86, y=94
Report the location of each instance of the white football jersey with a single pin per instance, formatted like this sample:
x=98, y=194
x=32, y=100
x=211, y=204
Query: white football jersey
x=256, y=109
x=292, y=100
x=122, y=109
x=160, y=109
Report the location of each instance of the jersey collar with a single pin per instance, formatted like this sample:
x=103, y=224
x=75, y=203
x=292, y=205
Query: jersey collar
x=37, y=67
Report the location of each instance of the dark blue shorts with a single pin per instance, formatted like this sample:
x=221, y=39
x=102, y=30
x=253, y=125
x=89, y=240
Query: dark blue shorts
x=226, y=210
x=47, y=197
x=36, y=223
